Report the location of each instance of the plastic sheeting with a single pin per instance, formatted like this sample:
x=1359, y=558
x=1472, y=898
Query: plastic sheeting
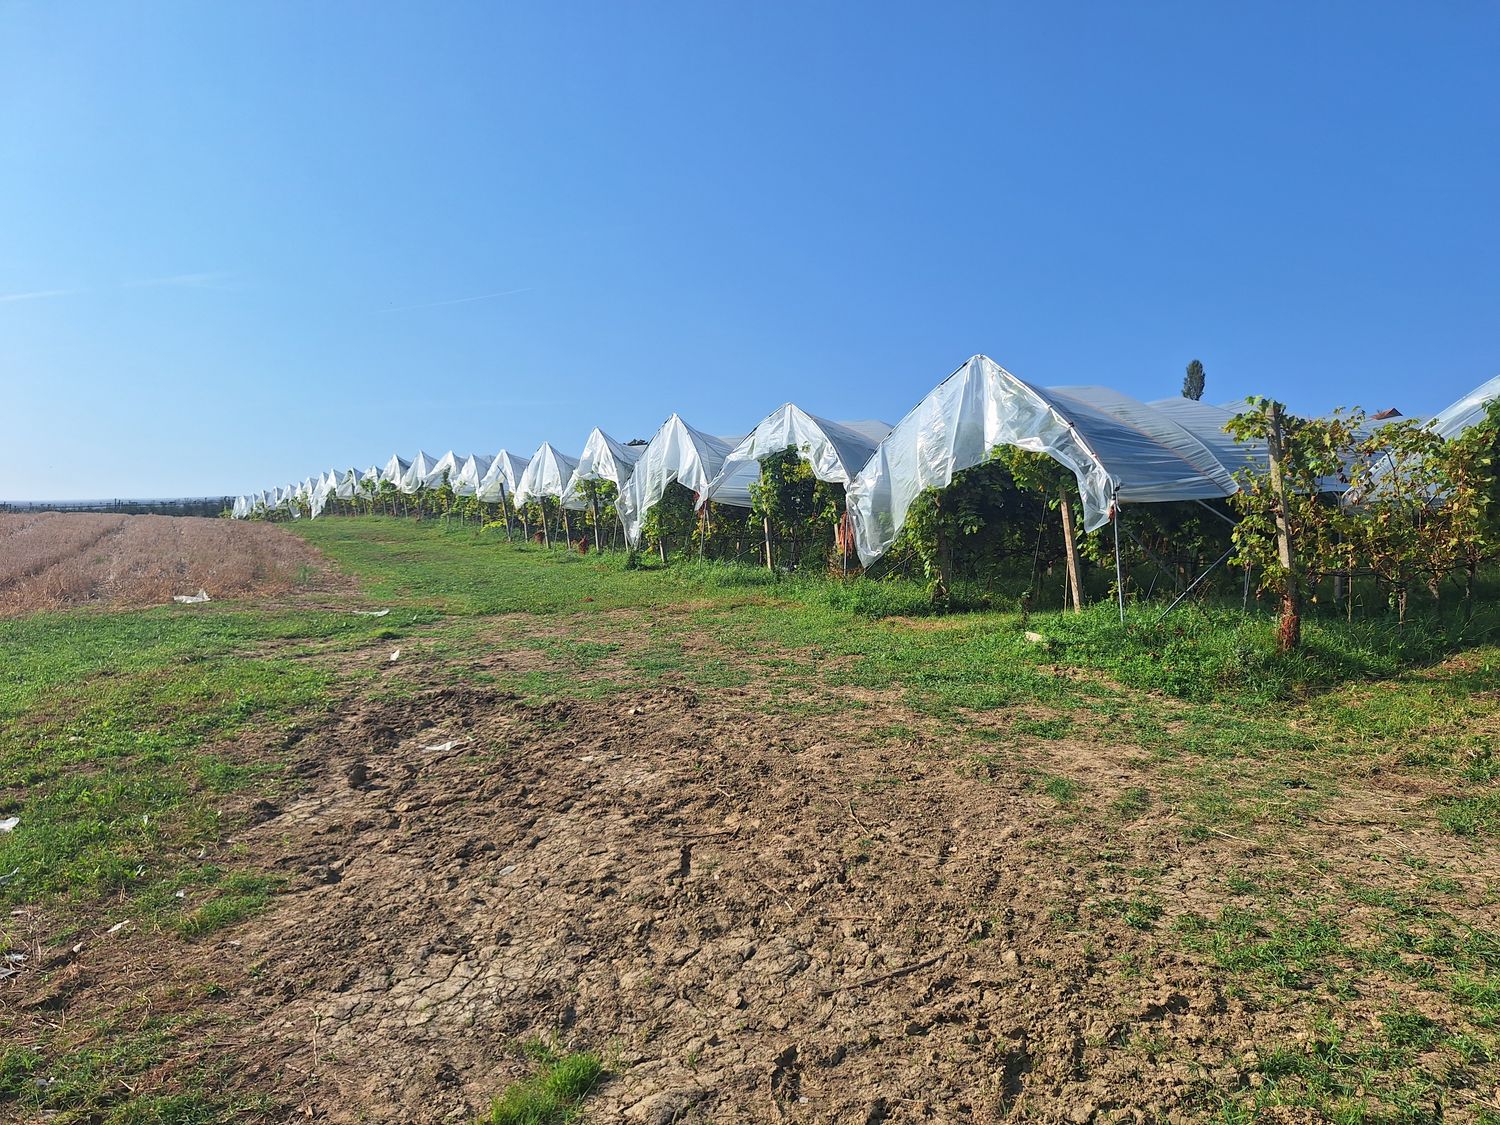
x=834, y=450
x=1156, y=459
x=1449, y=423
x=547, y=475
x=1466, y=411
x=503, y=475
x=322, y=492
x=603, y=459
x=395, y=470
x=449, y=463
x=416, y=474
x=676, y=453
x=1119, y=449
x=1206, y=422
x=470, y=474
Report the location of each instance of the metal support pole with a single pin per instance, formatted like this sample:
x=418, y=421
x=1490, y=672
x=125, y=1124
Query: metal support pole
x=1194, y=584
x=1156, y=562
x=594, y=503
x=1209, y=508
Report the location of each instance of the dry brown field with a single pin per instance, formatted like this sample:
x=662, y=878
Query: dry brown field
x=56, y=560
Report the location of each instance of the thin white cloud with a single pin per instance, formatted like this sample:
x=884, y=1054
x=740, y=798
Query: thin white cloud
x=458, y=300
x=181, y=281
x=37, y=295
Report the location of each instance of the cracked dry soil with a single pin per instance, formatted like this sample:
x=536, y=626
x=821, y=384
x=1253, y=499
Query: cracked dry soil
x=751, y=918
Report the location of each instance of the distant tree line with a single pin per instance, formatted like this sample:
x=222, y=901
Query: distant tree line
x=185, y=506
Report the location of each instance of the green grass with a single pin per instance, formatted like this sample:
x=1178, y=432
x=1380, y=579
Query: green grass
x=117, y=748
x=551, y=1096
x=114, y=1079
x=1471, y=816
x=238, y=897
x=111, y=736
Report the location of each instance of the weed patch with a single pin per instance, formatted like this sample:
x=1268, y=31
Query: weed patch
x=551, y=1096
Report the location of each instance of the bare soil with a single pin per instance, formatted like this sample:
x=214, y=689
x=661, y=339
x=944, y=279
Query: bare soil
x=753, y=919
x=56, y=560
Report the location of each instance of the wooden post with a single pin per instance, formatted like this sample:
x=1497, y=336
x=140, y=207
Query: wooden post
x=594, y=504
x=567, y=525
x=505, y=513
x=1289, y=634
x=1070, y=548
x=702, y=529
x=541, y=502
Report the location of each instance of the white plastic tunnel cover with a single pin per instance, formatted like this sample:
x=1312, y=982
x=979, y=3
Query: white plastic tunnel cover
x=1449, y=423
x=603, y=459
x=417, y=473
x=834, y=450
x=682, y=454
x=547, y=475
x=501, y=479
x=322, y=491
x=449, y=463
x=1118, y=448
x=470, y=474
x=1466, y=411
x=395, y=470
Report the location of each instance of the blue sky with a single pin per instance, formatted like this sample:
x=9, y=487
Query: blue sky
x=244, y=242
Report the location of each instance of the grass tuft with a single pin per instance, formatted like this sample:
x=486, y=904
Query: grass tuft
x=552, y=1095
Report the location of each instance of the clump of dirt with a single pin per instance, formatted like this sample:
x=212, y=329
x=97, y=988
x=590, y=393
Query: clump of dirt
x=56, y=560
